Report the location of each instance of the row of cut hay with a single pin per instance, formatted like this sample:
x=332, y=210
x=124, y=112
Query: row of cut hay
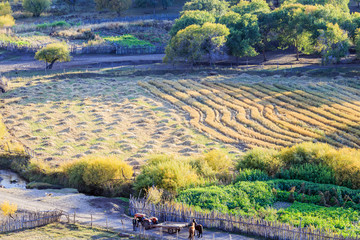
x=194, y=114
x=242, y=99
x=329, y=104
x=232, y=129
x=273, y=121
x=317, y=106
x=288, y=109
x=315, y=113
x=256, y=130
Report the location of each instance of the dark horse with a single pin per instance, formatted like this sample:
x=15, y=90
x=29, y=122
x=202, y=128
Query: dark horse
x=199, y=228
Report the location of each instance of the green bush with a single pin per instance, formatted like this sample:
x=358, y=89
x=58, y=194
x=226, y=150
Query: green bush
x=337, y=219
x=242, y=196
x=168, y=173
x=313, y=189
x=36, y=7
x=127, y=40
x=251, y=175
x=62, y=24
x=309, y=172
x=318, y=162
x=262, y=159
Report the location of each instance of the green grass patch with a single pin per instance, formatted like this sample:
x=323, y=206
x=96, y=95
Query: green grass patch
x=127, y=40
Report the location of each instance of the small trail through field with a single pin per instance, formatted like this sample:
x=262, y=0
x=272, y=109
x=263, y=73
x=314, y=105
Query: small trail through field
x=102, y=209
x=27, y=61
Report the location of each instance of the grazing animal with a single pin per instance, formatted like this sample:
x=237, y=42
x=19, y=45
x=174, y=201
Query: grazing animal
x=192, y=231
x=199, y=228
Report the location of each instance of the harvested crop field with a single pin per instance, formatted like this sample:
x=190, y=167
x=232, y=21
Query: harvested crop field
x=271, y=112
x=63, y=119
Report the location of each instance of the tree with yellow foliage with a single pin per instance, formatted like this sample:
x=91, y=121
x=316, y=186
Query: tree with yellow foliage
x=8, y=209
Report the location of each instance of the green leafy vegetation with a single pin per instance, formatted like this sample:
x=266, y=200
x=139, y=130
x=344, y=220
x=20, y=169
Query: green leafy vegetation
x=127, y=40
x=52, y=53
x=36, y=7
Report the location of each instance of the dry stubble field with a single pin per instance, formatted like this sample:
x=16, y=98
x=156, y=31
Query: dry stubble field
x=67, y=118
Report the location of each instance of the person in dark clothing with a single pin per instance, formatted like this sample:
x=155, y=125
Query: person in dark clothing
x=134, y=221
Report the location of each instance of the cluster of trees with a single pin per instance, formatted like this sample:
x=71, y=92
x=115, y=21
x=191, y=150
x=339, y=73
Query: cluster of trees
x=6, y=19
x=250, y=27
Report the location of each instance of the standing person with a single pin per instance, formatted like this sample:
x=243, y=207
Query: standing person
x=134, y=221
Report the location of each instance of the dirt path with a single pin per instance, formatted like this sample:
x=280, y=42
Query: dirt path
x=11, y=62
x=102, y=209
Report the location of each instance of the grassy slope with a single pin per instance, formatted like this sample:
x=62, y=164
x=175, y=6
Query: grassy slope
x=62, y=231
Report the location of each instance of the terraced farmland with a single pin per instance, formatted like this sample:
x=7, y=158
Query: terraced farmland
x=274, y=114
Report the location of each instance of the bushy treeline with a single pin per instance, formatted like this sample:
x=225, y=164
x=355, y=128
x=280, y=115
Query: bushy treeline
x=248, y=28
x=315, y=162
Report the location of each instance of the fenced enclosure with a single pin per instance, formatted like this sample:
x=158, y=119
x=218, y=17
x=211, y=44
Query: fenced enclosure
x=230, y=223
x=28, y=220
x=101, y=49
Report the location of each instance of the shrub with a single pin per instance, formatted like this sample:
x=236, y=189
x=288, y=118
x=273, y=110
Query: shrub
x=167, y=172
x=154, y=195
x=335, y=218
x=262, y=159
x=52, y=53
x=8, y=209
x=240, y=196
x=36, y=7
x=251, y=175
x=62, y=24
x=92, y=173
x=127, y=40
x=5, y=8
x=6, y=19
x=309, y=172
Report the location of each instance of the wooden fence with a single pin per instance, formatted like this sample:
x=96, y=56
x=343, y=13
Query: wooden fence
x=231, y=223
x=29, y=220
x=101, y=49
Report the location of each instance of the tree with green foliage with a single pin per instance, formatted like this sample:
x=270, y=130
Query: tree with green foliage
x=36, y=7
x=254, y=7
x=117, y=6
x=217, y=7
x=342, y=5
x=292, y=26
x=195, y=42
x=333, y=43
x=357, y=43
x=191, y=17
x=244, y=34
x=53, y=52
x=6, y=19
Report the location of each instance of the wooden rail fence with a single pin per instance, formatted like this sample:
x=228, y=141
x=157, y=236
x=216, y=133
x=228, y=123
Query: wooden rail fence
x=231, y=223
x=29, y=220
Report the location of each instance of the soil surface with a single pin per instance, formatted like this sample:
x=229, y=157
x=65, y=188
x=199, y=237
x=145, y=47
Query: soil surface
x=105, y=211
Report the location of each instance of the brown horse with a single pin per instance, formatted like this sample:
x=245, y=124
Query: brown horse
x=192, y=231
x=199, y=228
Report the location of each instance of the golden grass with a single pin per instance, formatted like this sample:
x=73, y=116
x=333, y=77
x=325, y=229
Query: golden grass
x=267, y=115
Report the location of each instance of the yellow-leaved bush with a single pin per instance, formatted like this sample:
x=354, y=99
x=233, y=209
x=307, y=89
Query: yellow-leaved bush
x=8, y=209
x=97, y=173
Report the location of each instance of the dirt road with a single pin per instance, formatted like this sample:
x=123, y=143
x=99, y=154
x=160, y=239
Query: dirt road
x=103, y=210
x=11, y=62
